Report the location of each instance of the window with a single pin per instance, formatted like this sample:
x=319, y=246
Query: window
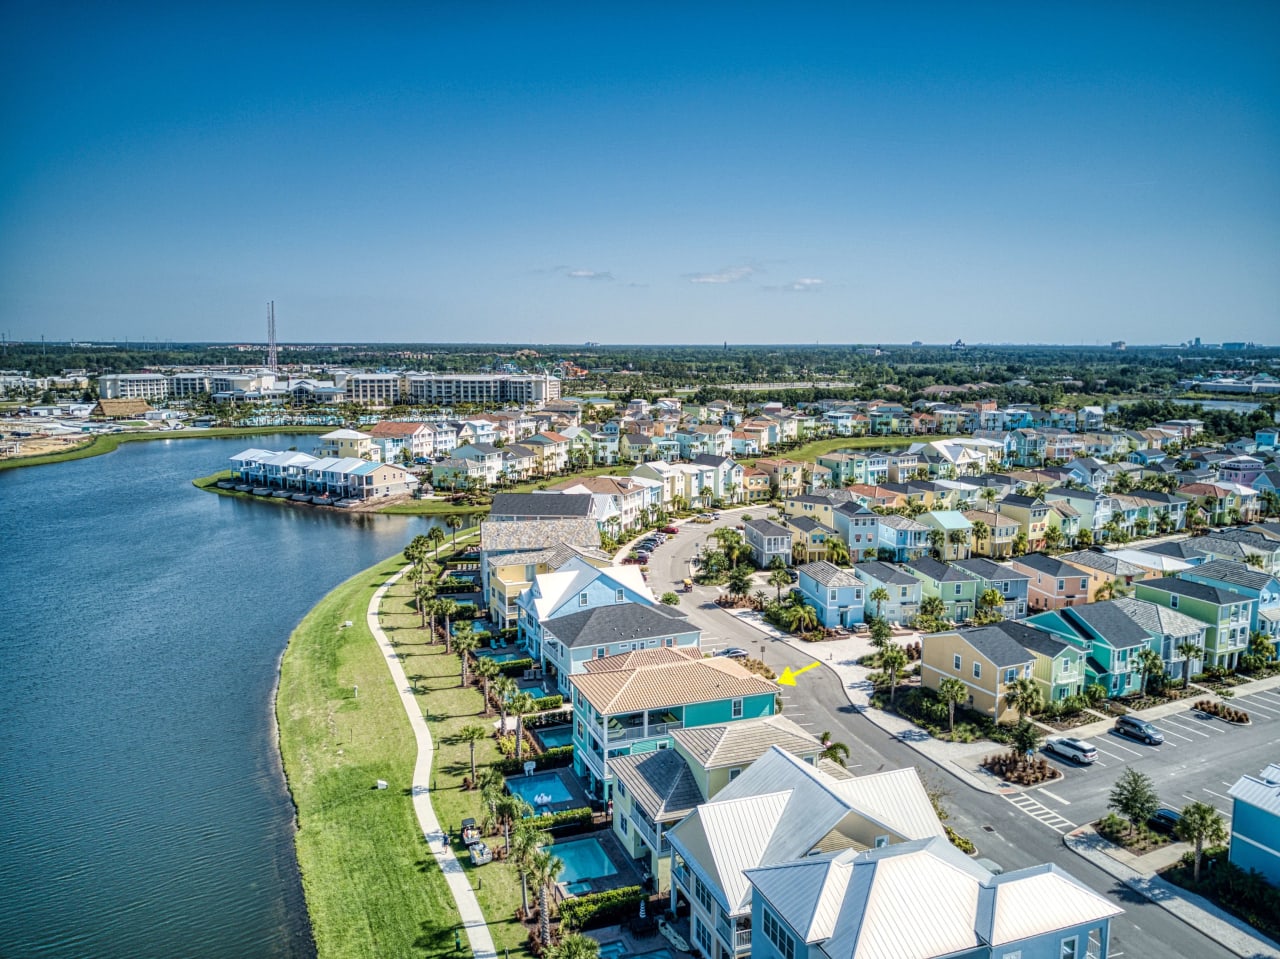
x=622, y=820
x=977, y=670
x=582, y=599
x=1062, y=585
x=1084, y=584
x=1173, y=601
x=704, y=898
x=668, y=641
x=1010, y=675
x=599, y=652
x=704, y=939
x=903, y=593
x=831, y=596
x=778, y=935
x=955, y=661
x=958, y=585
x=735, y=709
x=619, y=596
x=882, y=841
x=734, y=773
x=1070, y=948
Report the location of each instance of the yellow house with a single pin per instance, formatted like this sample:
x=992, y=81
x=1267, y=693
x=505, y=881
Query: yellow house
x=986, y=660
x=1001, y=532
x=510, y=574
x=348, y=443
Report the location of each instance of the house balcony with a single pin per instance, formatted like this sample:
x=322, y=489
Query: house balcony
x=632, y=733
x=736, y=935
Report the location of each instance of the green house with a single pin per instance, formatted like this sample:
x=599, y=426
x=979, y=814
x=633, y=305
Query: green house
x=1059, y=665
x=1226, y=614
x=957, y=588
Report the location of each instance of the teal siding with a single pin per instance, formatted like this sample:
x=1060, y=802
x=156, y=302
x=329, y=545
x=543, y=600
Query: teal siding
x=721, y=711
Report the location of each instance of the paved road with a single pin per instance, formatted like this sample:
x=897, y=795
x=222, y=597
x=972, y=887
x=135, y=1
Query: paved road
x=1007, y=833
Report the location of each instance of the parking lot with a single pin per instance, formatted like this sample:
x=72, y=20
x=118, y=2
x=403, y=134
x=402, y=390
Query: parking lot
x=1199, y=760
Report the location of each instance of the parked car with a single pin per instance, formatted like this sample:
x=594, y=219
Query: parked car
x=733, y=652
x=1165, y=820
x=671, y=530
x=1077, y=750
x=642, y=557
x=1139, y=729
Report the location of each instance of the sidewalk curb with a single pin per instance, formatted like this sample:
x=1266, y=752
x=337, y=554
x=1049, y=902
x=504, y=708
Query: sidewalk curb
x=1198, y=913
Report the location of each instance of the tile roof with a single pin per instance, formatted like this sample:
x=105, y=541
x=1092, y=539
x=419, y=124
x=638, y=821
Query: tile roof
x=553, y=556
x=1158, y=620
x=538, y=533
x=669, y=684
x=660, y=783
x=905, y=523
x=642, y=657
x=625, y=622
x=741, y=743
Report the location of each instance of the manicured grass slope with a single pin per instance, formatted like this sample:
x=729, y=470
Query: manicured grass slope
x=372, y=887
x=108, y=442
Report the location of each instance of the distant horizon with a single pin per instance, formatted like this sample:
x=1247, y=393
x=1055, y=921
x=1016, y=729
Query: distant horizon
x=567, y=173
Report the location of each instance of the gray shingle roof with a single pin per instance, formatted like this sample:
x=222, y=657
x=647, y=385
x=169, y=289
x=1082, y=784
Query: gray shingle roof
x=940, y=572
x=622, y=623
x=987, y=569
x=1178, y=549
x=887, y=574
x=541, y=505
x=828, y=574
x=1209, y=594
x=1049, y=565
x=1102, y=562
x=995, y=645
x=767, y=527
x=538, y=533
x=1110, y=622
x=807, y=524
x=1036, y=640
x=1237, y=574
x=1159, y=620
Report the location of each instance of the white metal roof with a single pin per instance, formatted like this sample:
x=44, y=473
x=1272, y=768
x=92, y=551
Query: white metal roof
x=1032, y=902
x=1261, y=791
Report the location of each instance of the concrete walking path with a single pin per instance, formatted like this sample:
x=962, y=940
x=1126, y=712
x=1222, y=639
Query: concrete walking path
x=1196, y=911
x=468, y=907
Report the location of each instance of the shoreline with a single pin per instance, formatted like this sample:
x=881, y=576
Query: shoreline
x=105, y=443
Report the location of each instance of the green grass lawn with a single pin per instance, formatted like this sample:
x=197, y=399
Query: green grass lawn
x=372, y=886
x=809, y=452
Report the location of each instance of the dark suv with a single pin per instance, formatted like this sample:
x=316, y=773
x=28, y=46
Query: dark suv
x=1139, y=729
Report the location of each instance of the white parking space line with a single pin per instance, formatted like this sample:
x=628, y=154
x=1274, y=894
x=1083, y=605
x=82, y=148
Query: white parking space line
x=1105, y=753
x=1168, y=732
x=1199, y=732
x=1252, y=707
x=1219, y=795
x=1131, y=752
x=1269, y=697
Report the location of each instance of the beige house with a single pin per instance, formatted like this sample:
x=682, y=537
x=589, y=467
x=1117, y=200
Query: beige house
x=986, y=660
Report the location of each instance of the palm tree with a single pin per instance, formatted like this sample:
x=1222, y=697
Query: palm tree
x=463, y=644
x=423, y=593
x=932, y=607
x=879, y=596
x=988, y=495
x=892, y=660
x=525, y=844
x=802, y=618
x=504, y=687
x=778, y=579
x=1201, y=824
x=544, y=871
x=1023, y=695
x=1152, y=667
x=488, y=670
x=1105, y=592
x=1053, y=538
x=436, y=536
x=575, y=946
x=511, y=808
x=952, y=692
x=520, y=706
x=446, y=610
x=881, y=634
x=980, y=531
x=471, y=735
x=833, y=750
x=958, y=538
x=937, y=539
x=838, y=552
x=454, y=522
x=492, y=787
x=1188, y=649
x=990, y=606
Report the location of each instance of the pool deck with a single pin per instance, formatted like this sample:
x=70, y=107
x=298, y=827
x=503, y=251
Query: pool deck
x=626, y=874
x=577, y=796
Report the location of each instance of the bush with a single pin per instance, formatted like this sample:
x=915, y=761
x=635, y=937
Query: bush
x=566, y=817
x=543, y=703
x=551, y=759
x=957, y=840
x=516, y=666
x=601, y=908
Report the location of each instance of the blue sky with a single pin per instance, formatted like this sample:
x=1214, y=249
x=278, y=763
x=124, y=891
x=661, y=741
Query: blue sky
x=840, y=173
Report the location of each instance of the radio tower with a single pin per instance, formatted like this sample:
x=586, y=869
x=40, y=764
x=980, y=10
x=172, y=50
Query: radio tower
x=273, y=357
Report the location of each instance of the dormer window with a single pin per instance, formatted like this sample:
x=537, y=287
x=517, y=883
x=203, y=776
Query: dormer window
x=582, y=599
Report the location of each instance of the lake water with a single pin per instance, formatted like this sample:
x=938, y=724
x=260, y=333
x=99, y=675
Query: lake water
x=141, y=624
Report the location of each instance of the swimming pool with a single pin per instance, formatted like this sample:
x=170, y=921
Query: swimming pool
x=552, y=736
x=583, y=859
x=547, y=787
x=501, y=656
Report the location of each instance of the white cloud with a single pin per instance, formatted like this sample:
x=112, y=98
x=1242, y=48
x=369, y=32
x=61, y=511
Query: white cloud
x=589, y=275
x=731, y=274
x=806, y=284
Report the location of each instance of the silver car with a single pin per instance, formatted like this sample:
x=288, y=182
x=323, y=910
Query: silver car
x=1077, y=750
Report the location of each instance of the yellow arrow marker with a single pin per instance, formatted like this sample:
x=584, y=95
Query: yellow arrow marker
x=788, y=677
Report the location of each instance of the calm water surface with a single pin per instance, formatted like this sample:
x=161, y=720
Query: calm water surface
x=142, y=806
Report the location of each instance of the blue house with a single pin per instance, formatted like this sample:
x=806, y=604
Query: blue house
x=1255, y=823
x=902, y=538
x=1004, y=579
x=837, y=594
x=859, y=527
x=904, y=591
x=924, y=899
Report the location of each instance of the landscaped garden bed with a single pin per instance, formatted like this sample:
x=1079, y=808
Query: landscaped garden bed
x=1220, y=710
x=923, y=707
x=1246, y=895
x=1136, y=840
x=1015, y=767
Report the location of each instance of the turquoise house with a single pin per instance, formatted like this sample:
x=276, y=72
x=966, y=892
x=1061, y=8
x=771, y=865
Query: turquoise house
x=629, y=704
x=1255, y=823
x=1108, y=636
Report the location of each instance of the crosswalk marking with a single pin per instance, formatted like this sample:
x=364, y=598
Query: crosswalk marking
x=1040, y=812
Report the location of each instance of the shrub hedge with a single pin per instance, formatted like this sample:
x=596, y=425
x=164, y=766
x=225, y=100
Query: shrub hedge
x=543, y=703
x=601, y=908
x=551, y=759
x=516, y=666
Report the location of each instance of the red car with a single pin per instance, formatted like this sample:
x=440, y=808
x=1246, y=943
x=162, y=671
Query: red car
x=671, y=530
